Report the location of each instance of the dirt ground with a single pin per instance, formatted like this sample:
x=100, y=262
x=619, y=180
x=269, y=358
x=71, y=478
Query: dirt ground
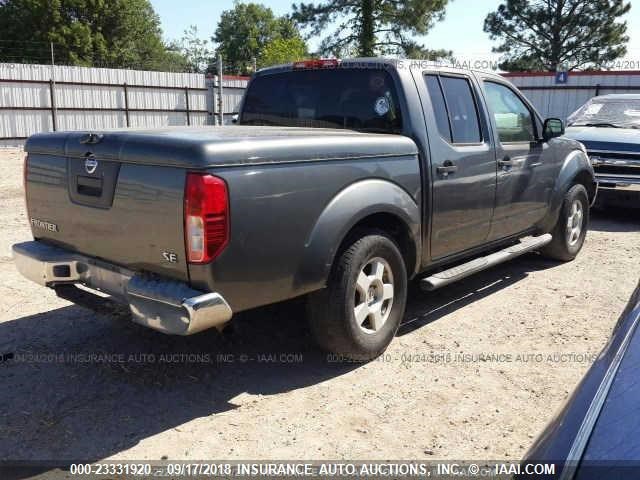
x=476, y=371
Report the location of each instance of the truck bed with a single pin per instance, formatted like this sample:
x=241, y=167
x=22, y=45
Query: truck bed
x=129, y=210
x=202, y=147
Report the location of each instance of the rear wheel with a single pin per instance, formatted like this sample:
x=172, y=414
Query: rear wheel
x=359, y=312
x=570, y=231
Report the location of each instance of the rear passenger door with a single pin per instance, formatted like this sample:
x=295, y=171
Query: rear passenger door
x=463, y=169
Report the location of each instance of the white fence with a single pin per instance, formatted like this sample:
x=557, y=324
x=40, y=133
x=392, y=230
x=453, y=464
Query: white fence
x=560, y=100
x=36, y=98
x=233, y=90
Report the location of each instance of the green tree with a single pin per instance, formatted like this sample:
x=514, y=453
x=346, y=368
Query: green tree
x=283, y=50
x=371, y=27
x=245, y=30
x=173, y=60
x=554, y=34
x=112, y=33
x=195, y=51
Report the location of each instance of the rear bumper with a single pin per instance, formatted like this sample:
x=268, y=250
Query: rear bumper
x=165, y=305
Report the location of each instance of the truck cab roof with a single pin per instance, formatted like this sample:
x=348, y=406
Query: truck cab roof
x=386, y=63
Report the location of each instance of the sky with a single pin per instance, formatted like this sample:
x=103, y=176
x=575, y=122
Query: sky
x=460, y=31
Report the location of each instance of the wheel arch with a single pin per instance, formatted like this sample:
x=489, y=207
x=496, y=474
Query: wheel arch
x=389, y=224
x=372, y=204
x=576, y=169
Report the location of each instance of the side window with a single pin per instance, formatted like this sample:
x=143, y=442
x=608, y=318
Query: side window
x=513, y=119
x=463, y=114
x=439, y=107
x=454, y=108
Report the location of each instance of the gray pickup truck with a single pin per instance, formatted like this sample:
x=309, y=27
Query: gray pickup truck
x=342, y=181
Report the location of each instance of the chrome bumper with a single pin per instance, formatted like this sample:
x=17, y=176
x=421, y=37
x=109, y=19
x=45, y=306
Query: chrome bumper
x=618, y=182
x=168, y=306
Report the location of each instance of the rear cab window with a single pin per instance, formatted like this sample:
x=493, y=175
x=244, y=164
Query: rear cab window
x=356, y=99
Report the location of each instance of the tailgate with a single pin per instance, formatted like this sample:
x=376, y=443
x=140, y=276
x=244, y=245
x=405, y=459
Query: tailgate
x=82, y=198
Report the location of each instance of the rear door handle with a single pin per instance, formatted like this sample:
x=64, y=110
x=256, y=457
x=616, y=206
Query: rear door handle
x=446, y=168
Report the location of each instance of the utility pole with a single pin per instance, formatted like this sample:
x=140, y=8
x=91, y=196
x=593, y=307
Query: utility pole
x=255, y=64
x=220, y=91
x=52, y=90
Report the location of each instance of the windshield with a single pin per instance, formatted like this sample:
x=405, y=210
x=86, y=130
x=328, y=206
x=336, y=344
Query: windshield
x=357, y=99
x=607, y=113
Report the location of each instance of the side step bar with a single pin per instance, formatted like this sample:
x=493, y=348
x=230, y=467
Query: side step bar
x=459, y=272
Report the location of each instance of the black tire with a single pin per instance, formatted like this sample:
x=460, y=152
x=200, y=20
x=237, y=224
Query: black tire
x=331, y=311
x=565, y=244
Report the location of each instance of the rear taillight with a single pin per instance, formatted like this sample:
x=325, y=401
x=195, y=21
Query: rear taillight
x=206, y=217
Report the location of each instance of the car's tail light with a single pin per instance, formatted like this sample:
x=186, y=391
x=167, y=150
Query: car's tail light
x=206, y=217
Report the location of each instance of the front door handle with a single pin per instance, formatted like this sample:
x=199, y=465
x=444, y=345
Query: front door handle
x=446, y=168
x=506, y=162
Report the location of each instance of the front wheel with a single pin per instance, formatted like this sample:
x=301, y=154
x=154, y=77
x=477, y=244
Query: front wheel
x=359, y=312
x=571, y=229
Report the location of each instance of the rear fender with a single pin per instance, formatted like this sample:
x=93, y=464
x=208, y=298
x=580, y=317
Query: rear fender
x=351, y=205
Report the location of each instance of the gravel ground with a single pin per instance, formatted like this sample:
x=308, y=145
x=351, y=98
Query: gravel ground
x=475, y=372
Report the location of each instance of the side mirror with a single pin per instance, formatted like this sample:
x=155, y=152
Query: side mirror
x=553, y=127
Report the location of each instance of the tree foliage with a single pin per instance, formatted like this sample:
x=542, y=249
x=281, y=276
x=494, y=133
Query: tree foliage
x=112, y=33
x=371, y=27
x=197, y=54
x=283, y=50
x=245, y=30
x=558, y=34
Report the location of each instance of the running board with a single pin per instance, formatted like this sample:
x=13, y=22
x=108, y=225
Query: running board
x=459, y=272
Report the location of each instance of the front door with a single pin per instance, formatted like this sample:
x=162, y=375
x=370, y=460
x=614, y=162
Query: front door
x=463, y=168
x=525, y=173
